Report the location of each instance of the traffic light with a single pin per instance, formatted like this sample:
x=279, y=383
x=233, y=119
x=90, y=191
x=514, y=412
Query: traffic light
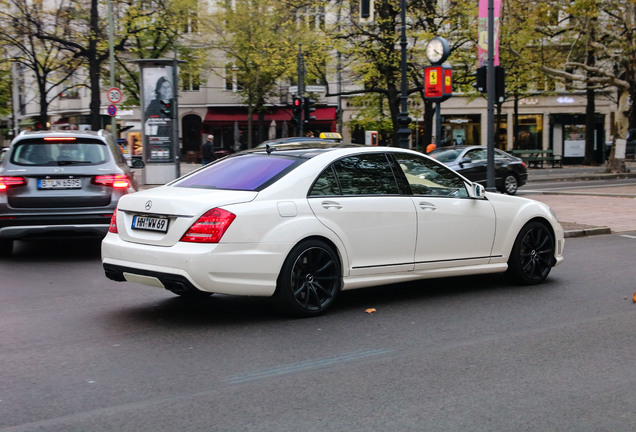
x=297, y=110
x=481, y=82
x=481, y=79
x=500, y=84
x=166, y=108
x=308, y=107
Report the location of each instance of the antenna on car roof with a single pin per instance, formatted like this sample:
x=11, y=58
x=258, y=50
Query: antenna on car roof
x=269, y=149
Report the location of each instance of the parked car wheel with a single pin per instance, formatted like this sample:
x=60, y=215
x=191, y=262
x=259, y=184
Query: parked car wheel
x=531, y=258
x=309, y=280
x=510, y=184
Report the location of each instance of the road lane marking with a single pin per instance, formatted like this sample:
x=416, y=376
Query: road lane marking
x=305, y=366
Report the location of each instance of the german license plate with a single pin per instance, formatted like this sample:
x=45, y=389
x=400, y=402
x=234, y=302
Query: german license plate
x=59, y=183
x=150, y=223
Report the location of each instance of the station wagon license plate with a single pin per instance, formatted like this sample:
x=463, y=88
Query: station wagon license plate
x=69, y=183
x=150, y=223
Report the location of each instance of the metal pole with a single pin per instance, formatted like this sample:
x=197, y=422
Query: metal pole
x=438, y=124
x=300, y=69
x=111, y=52
x=175, y=115
x=403, y=119
x=490, y=169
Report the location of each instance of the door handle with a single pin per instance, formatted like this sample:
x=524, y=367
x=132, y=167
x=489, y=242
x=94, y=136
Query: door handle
x=331, y=205
x=427, y=206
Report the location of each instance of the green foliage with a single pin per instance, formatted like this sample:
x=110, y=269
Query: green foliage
x=5, y=88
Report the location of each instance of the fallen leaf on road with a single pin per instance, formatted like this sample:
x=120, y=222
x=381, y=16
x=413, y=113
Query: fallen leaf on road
x=371, y=310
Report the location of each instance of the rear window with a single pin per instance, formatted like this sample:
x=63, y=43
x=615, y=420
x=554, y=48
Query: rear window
x=246, y=172
x=43, y=153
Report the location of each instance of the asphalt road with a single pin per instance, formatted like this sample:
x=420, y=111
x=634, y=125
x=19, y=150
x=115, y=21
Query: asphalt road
x=81, y=353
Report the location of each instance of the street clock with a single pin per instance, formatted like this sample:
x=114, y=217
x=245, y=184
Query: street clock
x=437, y=50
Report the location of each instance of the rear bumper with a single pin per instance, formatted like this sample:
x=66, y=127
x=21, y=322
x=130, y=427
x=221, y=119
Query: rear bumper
x=216, y=268
x=46, y=226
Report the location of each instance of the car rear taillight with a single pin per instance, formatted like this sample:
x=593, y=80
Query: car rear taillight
x=117, y=181
x=112, y=228
x=210, y=227
x=11, y=182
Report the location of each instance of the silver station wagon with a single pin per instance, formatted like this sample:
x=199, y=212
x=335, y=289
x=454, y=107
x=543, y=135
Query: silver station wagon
x=64, y=183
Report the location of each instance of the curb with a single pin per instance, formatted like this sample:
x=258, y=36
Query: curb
x=587, y=232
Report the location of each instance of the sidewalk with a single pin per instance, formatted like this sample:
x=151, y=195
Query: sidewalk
x=582, y=212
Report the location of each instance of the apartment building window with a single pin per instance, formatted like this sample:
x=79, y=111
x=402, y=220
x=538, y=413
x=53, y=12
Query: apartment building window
x=232, y=79
x=189, y=81
x=191, y=19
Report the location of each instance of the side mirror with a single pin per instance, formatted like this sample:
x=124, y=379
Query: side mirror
x=463, y=161
x=477, y=191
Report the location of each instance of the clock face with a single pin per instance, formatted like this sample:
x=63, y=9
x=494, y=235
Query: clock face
x=436, y=50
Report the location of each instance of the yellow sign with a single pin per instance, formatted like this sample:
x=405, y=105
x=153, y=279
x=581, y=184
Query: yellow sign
x=432, y=77
x=330, y=135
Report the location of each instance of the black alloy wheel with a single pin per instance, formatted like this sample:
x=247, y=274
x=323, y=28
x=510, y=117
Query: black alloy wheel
x=532, y=255
x=510, y=184
x=310, y=279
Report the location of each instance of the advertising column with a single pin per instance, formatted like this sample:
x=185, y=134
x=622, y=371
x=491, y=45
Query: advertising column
x=158, y=121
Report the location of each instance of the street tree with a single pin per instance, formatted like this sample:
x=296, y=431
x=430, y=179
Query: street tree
x=371, y=52
x=258, y=56
x=49, y=65
x=155, y=29
x=601, y=54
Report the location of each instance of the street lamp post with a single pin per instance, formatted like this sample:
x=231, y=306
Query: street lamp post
x=490, y=167
x=403, y=119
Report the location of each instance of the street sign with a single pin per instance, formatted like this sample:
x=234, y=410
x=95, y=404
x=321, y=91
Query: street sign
x=114, y=95
x=112, y=110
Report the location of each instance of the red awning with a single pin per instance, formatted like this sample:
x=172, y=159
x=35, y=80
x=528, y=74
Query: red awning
x=231, y=115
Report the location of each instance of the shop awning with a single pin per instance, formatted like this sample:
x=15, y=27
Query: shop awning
x=231, y=115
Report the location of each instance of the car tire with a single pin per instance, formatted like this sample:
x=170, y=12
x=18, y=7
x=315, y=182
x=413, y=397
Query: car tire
x=510, y=184
x=6, y=247
x=532, y=255
x=310, y=279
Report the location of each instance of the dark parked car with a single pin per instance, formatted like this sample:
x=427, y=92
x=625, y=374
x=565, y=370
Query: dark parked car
x=471, y=162
x=60, y=184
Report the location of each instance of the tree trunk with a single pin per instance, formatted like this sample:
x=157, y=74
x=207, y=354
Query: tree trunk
x=590, y=126
x=614, y=164
x=93, y=68
x=250, y=111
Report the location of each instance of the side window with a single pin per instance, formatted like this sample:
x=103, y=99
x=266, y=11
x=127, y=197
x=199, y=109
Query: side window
x=427, y=177
x=366, y=174
x=326, y=184
x=477, y=154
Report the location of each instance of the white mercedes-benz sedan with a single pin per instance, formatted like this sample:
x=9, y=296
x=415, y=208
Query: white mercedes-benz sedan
x=301, y=222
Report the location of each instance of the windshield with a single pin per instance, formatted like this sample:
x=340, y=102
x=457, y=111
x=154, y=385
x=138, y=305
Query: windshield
x=445, y=155
x=67, y=153
x=251, y=172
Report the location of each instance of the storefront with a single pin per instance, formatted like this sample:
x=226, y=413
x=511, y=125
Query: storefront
x=528, y=133
x=229, y=125
x=567, y=137
x=461, y=130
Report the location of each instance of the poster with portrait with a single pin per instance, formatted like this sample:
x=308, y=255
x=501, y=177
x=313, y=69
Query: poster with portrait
x=158, y=111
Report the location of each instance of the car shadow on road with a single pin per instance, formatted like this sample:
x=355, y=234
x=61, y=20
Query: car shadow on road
x=232, y=310
x=56, y=249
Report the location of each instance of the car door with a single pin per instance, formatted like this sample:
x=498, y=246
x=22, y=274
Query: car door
x=358, y=198
x=452, y=228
